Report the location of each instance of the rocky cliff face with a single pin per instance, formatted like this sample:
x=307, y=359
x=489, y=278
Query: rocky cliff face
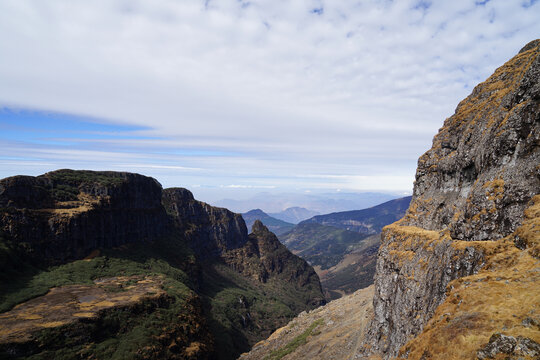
x=472, y=187
x=65, y=214
x=264, y=258
x=220, y=283
x=211, y=231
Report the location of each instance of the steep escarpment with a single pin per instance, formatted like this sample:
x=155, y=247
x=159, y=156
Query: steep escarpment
x=471, y=194
x=65, y=214
x=210, y=230
x=109, y=265
x=265, y=259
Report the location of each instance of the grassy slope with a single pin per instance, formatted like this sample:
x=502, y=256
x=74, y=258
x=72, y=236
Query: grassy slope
x=235, y=325
x=242, y=311
x=165, y=257
x=502, y=297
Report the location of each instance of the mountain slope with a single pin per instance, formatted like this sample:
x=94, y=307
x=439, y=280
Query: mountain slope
x=321, y=245
x=294, y=214
x=452, y=272
x=353, y=272
x=368, y=221
x=109, y=265
x=336, y=245
x=332, y=331
x=344, y=260
x=276, y=226
x=458, y=276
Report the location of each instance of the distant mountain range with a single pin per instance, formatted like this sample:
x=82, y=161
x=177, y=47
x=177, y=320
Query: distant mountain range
x=367, y=221
x=294, y=214
x=276, y=226
x=323, y=203
x=342, y=246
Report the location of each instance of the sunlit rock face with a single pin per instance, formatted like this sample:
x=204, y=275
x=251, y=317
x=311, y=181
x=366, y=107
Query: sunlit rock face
x=472, y=185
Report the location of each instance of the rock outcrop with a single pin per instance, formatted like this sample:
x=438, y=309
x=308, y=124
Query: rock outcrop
x=65, y=214
x=211, y=231
x=264, y=258
x=471, y=190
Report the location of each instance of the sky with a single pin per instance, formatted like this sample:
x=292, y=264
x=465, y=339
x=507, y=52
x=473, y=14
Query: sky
x=232, y=97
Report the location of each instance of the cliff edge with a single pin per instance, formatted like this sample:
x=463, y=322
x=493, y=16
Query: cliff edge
x=109, y=265
x=471, y=221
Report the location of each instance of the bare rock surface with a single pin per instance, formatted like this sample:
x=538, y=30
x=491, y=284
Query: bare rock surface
x=472, y=188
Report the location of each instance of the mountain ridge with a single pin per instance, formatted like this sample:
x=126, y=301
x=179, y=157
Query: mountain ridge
x=152, y=273
x=294, y=214
x=369, y=221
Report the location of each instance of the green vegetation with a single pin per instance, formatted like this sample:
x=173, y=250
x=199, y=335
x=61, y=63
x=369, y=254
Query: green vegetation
x=239, y=311
x=11, y=264
x=66, y=182
x=164, y=257
x=118, y=334
x=77, y=177
x=295, y=343
x=242, y=311
x=321, y=245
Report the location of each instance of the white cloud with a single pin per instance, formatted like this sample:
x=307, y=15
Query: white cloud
x=359, y=89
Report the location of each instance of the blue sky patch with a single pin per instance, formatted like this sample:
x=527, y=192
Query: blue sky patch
x=60, y=129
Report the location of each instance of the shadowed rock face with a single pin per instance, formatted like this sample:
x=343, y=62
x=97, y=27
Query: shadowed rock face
x=264, y=258
x=210, y=230
x=218, y=272
x=472, y=185
x=65, y=214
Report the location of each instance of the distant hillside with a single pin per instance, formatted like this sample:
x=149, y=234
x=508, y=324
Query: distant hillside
x=276, y=226
x=368, y=221
x=294, y=214
x=344, y=260
x=340, y=247
x=355, y=271
x=321, y=245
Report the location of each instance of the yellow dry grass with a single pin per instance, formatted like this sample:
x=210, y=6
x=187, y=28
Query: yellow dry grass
x=497, y=299
x=66, y=304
